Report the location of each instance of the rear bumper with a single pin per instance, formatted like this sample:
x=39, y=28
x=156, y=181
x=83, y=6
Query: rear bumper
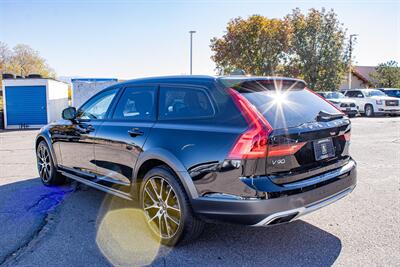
x=263, y=212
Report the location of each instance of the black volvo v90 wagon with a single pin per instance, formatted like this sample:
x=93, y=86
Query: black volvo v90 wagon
x=192, y=149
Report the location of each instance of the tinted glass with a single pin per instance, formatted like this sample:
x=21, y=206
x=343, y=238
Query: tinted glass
x=334, y=95
x=179, y=103
x=136, y=103
x=394, y=93
x=353, y=93
x=370, y=93
x=96, y=107
x=286, y=107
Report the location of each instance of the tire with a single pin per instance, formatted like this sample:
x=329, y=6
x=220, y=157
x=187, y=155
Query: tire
x=369, y=110
x=173, y=212
x=48, y=173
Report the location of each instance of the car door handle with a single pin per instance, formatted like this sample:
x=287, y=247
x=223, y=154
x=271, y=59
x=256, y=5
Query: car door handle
x=135, y=132
x=90, y=129
x=87, y=128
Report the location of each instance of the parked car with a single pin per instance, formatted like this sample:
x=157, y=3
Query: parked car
x=373, y=101
x=393, y=92
x=191, y=149
x=340, y=101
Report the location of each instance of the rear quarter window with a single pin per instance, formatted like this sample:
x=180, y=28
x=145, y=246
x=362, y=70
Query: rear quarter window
x=178, y=102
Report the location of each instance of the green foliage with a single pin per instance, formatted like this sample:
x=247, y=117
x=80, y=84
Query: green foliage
x=308, y=46
x=255, y=45
x=387, y=75
x=23, y=60
x=317, y=49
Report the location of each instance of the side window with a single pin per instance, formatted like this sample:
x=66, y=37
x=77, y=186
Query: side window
x=184, y=102
x=358, y=94
x=136, y=103
x=96, y=108
x=351, y=93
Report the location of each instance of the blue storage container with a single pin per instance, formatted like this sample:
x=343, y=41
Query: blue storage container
x=26, y=105
x=34, y=102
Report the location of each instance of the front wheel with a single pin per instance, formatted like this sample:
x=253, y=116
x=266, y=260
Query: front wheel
x=46, y=168
x=167, y=209
x=369, y=110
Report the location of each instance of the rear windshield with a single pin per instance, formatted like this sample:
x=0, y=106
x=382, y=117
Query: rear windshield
x=335, y=95
x=284, y=104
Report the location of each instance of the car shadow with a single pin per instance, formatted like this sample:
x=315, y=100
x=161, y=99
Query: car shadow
x=94, y=228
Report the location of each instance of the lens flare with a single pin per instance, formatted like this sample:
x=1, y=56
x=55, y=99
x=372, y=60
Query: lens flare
x=123, y=236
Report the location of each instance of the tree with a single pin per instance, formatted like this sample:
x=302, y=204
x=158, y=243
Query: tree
x=317, y=49
x=256, y=45
x=309, y=46
x=387, y=75
x=5, y=55
x=25, y=61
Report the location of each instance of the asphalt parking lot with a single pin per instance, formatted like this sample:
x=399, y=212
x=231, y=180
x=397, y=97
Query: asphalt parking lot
x=74, y=225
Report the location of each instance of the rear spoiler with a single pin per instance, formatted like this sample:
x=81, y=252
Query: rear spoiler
x=259, y=84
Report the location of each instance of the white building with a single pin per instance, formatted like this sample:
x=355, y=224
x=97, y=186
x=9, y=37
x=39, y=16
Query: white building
x=84, y=88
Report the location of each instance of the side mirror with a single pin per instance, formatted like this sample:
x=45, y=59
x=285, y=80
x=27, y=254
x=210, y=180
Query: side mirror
x=360, y=96
x=69, y=113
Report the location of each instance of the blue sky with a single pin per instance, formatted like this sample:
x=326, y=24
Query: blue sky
x=128, y=39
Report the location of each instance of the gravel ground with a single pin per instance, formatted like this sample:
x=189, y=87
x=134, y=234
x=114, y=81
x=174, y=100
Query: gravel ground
x=74, y=225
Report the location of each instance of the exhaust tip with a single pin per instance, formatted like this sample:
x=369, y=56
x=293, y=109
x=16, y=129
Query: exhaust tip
x=283, y=219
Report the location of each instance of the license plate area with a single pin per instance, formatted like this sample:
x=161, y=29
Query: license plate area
x=323, y=149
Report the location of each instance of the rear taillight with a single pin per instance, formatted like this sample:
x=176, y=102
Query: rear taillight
x=251, y=144
x=346, y=136
x=284, y=149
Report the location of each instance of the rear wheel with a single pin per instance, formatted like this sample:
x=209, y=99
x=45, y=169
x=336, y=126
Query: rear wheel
x=46, y=168
x=369, y=110
x=166, y=208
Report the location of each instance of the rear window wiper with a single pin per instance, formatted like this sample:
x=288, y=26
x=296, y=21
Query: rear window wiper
x=326, y=116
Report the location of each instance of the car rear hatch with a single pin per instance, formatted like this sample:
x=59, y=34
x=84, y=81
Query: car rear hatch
x=306, y=135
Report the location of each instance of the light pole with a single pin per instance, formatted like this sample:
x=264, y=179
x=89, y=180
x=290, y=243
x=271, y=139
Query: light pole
x=350, y=52
x=191, y=51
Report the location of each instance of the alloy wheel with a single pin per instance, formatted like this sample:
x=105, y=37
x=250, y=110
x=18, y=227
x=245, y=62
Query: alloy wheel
x=161, y=207
x=44, y=164
x=368, y=111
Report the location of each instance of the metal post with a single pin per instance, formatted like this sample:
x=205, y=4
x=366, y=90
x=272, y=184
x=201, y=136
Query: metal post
x=191, y=51
x=350, y=54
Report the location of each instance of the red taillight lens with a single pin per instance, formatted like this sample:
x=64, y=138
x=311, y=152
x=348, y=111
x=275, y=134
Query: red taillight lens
x=252, y=143
x=346, y=136
x=284, y=149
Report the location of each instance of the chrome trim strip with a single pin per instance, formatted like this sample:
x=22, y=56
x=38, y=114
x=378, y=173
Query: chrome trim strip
x=323, y=177
x=306, y=209
x=98, y=186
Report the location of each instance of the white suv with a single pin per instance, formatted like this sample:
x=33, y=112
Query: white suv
x=372, y=101
x=341, y=102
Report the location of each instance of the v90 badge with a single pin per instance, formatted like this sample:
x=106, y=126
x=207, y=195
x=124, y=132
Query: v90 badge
x=278, y=161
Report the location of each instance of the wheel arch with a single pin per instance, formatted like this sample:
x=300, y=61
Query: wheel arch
x=157, y=157
x=44, y=137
